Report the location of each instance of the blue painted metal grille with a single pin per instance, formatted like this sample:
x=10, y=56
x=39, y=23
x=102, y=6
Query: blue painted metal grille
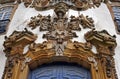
x=60, y=72
x=116, y=11
x=5, y=14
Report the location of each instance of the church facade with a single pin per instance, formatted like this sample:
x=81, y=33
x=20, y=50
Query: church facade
x=59, y=39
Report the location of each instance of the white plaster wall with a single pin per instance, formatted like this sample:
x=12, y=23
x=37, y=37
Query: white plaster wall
x=100, y=15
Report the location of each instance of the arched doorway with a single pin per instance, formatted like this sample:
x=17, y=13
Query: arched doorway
x=60, y=71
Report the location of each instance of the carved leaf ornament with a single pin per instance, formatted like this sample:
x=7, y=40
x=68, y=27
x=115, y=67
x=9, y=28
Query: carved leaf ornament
x=59, y=47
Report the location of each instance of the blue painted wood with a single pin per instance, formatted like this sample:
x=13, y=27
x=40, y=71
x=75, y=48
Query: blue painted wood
x=5, y=14
x=3, y=25
x=116, y=11
x=60, y=72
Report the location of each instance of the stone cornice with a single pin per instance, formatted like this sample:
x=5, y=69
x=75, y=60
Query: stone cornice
x=18, y=39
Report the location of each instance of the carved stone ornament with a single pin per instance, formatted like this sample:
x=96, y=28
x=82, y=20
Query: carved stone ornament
x=18, y=64
x=105, y=45
x=73, y=4
x=92, y=59
x=60, y=30
x=59, y=47
x=13, y=42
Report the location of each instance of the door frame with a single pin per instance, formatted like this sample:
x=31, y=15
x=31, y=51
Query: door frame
x=100, y=64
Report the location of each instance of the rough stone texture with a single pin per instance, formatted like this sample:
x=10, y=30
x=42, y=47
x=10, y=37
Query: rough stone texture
x=100, y=15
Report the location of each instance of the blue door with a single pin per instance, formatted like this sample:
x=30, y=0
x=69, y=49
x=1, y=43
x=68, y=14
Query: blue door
x=60, y=72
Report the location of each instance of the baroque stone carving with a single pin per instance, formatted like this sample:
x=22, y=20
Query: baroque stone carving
x=13, y=42
x=108, y=65
x=46, y=24
x=105, y=44
x=73, y=52
x=86, y=22
x=59, y=47
x=26, y=60
x=10, y=65
x=60, y=29
x=92, y=59
x=74, y=4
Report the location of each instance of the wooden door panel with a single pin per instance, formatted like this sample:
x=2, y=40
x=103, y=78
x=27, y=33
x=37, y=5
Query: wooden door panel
x=60, y=72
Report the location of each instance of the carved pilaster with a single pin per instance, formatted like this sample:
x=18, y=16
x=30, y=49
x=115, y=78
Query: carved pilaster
x=105, y=45
x=12, y=65
x=14, y=45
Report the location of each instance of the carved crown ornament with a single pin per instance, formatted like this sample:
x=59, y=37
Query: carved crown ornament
x=59, y=46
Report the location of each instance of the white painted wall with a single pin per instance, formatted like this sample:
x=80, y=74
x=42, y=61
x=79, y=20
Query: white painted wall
x=100, y=15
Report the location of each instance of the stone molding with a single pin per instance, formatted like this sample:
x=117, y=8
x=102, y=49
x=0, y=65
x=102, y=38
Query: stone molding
x=100, y=64
x=59, y=47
